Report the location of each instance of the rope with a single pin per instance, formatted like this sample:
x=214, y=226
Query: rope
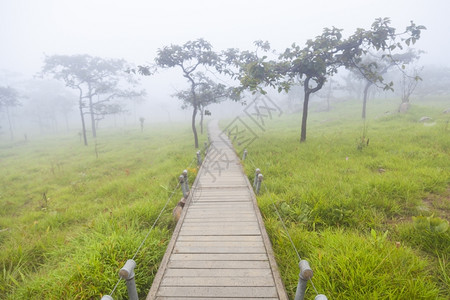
x=153, y=225
x=282, y=222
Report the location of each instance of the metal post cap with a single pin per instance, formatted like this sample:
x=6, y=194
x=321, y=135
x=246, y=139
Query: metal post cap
x=107, y=297
x=181, y=178
x=198, y=152
x=321, y=297
x=306, y=273
x=185, y=172
x=128, y=269
x=260, y=177
x=257, y=171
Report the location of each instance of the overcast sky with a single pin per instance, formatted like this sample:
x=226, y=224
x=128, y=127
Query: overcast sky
x=135, y=29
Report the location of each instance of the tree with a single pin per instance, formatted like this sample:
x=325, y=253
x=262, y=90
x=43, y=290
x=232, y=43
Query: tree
x=97, y=80
x=322, y=57
x=189, y=58
x=9, y=97
x=207, y=92
x=409, y=82
x=378, y=65
x=47, y=99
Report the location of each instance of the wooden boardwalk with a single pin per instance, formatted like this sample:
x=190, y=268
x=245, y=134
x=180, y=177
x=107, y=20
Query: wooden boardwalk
x=220, y=248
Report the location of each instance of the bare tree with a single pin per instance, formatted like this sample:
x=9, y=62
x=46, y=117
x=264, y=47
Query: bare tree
x=9, y=97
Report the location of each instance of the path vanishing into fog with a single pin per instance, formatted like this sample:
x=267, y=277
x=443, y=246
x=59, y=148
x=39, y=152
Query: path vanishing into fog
x=220, y=248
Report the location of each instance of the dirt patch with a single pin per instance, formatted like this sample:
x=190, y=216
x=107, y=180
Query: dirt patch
x=439, y=205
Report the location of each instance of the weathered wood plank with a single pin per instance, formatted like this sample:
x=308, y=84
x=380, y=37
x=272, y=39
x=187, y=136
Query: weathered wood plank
x=218, y=223
x=219, y=232
x=213, y=292
x=218, y=281
x=219, y=256
x=219, y=250
x=220, y=244
x=217, y=264
x=216, y=298
x=225, y=238
x=206, y=220
x=218, y=272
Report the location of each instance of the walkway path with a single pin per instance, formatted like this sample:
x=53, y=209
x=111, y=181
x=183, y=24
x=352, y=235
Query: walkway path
x=220, y=248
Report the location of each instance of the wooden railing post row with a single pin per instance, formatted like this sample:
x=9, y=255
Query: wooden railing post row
x=183, y=186
x=244, y=155
x=186, y=182
x=258, y=183
x=127, y=273
x=257, y=172
x=199, y=158
x=306, y=273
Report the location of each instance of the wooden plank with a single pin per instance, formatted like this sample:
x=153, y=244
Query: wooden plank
x=220, y=244
x=218, y=272
x=225, y=238
x=221, y=206
x=194, y=249
x=218, y=256
x=218, y=223
x=212, y=292
x=207, y=220
x=217, y=264
x=218, y=213
x=216, y=298
x=200, y=204
x=218, y=281
x=214, y=227
x=219, y=210
x=219, y=232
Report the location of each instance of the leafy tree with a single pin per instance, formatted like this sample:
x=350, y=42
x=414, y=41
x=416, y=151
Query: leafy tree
x=189, y=58
x=321, y=58
x=207, y=92
x=97, y=80
x=9, y=97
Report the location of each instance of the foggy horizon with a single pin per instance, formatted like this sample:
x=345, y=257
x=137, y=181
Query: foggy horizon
x=135, y=30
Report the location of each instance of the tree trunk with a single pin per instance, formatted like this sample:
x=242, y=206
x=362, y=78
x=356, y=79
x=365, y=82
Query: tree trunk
x=83, y=125
x=202, y=109
x=305, y=116
x=91, y=110
x=194, y=129
x=9, y=123
x=366, y=91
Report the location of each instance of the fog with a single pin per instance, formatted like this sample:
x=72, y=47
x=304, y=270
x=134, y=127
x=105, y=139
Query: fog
x=135, y=29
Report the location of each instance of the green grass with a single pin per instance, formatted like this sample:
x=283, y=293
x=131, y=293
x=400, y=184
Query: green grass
x=350, y=206
x=367, y=217
x=70, y=220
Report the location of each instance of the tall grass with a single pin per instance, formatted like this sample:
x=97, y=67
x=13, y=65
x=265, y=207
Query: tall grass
x=350, y=207
x=72, y=215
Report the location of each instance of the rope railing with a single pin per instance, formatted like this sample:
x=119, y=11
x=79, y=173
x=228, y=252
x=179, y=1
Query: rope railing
x=127, y=271
x=306, y=273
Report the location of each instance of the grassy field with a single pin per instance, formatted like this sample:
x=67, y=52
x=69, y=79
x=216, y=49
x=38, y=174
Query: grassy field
x=371, y=218
x=367, y=204
x=72, y=215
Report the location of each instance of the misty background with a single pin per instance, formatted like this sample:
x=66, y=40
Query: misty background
x=134, y=29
